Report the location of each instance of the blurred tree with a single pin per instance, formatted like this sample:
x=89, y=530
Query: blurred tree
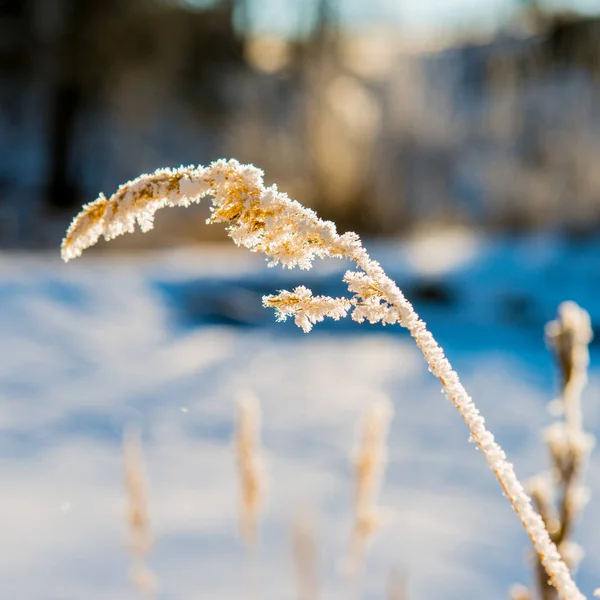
x=104, y=42
x=72, y=57
x=15, y=51
x=93, y=57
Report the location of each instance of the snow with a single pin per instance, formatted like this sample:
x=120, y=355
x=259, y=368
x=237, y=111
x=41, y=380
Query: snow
x=91, y=346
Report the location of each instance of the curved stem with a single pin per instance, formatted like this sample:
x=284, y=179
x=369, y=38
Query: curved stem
x=493, y=453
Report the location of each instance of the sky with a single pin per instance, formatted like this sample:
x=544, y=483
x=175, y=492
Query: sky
x=427, y=16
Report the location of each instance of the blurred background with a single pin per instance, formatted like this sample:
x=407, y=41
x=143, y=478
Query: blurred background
x=383, y=115
x=460, y=138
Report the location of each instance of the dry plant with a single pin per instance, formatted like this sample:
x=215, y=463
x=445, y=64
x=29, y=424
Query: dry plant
x=138, y=522
x=397, y=586
x=369, y=464
x=266, y=220
x=250, y=468
x=305, y=556
x=568, y=445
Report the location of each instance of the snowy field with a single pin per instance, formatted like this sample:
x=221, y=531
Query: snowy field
x=168, y=339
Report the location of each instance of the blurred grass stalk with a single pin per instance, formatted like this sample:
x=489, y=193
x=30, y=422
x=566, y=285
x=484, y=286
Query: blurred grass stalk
x=369, y=464
x=138, y=521
x=250, y=468
x=559, y=495
x=305, y=557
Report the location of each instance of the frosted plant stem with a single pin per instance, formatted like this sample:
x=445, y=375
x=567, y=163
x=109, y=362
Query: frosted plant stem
x=265, y=220
x=496, y=458
x=569, y=445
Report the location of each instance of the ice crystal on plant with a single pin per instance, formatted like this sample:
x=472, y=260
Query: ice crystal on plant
x=559, y=495
x=306, y=308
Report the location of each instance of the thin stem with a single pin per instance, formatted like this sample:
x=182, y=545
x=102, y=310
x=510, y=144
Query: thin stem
x=493, y=453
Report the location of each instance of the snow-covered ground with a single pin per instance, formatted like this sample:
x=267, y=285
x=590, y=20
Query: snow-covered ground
x=168, y=339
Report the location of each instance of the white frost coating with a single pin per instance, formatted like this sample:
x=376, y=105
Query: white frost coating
x=266, y=220
x=569, y=336
x=569, y=445
x=308, y=309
